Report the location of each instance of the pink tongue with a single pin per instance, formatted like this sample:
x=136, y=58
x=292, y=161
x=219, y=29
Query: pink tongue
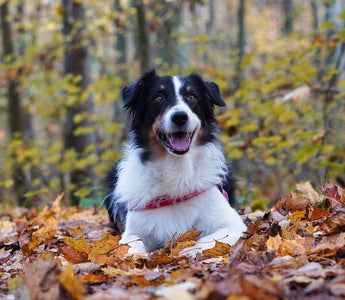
x=180, y=142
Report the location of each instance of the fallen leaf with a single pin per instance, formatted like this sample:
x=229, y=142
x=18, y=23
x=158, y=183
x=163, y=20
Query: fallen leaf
x=318, y=214
x=335, y=194
x=79, y=245
x=307, y=190
x=188, y=236
x=92, y=278
x=41, y=278
x=273, y=243
x=328, y=246
x=335, y=223
x=100, y=250
x=86, y=267
x=114, y=271
x=71, y=283
x=285, y=262
x=337, y=289
x=72, y=255
x=179, y=246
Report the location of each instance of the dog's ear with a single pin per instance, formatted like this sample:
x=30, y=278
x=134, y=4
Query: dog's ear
x=130, y=94
x=214, y=93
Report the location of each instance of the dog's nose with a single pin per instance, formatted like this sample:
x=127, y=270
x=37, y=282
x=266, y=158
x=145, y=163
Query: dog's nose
x=179, y=118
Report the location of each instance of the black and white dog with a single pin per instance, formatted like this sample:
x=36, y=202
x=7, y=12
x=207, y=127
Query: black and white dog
x=173, y=177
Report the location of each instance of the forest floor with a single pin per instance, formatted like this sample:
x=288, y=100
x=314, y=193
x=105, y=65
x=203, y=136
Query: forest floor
x=296, y=250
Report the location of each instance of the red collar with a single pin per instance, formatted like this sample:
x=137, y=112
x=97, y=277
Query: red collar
x=166, y=200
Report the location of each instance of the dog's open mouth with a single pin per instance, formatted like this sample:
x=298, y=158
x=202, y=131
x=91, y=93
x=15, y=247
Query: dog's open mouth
x=177, y=142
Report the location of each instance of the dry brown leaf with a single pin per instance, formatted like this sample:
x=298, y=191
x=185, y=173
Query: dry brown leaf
x=105, y=245
x=337, y=289
x=260, y=287
x=188, y=236
x=292, y=247
x=273, y=243
x=318, y=214
x=328, y=246
x=335, y=223
x=308, y=191
x=43, y=234
x=72, y=255
x=41, y=278
x=285, y=262
x=335, y=194
x=220, y=249
x=114, y=271
x=86, y=267
x=92, y=278
x=71, y=283
x=293, y=202
x=179, y=246
x=107, y=250
x=141, y=281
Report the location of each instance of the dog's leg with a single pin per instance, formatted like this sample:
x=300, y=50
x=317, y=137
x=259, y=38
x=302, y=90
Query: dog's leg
x=225, y=235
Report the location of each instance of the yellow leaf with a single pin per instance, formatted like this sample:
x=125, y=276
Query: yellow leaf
x=219, y=249
x=297, y=216
x=234, y=153
x=7, y=183
x=79, y=245
x=60, y=10
x=232, y=122
x=188, y=236
x=107, y=249
x=249, y=127
x=286, y=116
x=113, y=271
x=179, y=246
x=273, y=243
x=77, y=118
x=72, y=284
x=201, y=38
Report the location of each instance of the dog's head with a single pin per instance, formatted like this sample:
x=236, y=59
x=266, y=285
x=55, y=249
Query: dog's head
x=171, y=112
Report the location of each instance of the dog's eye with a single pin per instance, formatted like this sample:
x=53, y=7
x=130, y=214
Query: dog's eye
x=158, y=98
x=191, y=97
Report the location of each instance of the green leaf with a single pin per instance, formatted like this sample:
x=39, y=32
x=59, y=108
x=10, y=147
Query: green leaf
x=89, y=202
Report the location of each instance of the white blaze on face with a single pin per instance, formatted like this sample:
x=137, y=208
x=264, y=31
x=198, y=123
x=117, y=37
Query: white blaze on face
x=179, y=123
x=193, y=121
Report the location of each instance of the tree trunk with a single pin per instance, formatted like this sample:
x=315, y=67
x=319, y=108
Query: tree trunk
x=210, y=22
x=28, y=129
x=76, y=63
x=121, y=66
x=315, y=12
x=241, y=42
x=15, y=111
x=144, y=46
x=288, y=10
x=167, y=38
x=121, y=45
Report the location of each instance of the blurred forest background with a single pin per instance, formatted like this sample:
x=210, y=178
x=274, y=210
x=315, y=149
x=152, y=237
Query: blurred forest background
x=279, y=64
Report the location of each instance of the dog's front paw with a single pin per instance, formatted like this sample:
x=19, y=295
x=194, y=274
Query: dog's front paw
x=136, y=248
x=135, y=244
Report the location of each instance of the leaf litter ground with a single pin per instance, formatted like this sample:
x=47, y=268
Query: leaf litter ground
x=296, y=250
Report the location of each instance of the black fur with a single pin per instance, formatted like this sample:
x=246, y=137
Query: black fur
x=117, y=211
